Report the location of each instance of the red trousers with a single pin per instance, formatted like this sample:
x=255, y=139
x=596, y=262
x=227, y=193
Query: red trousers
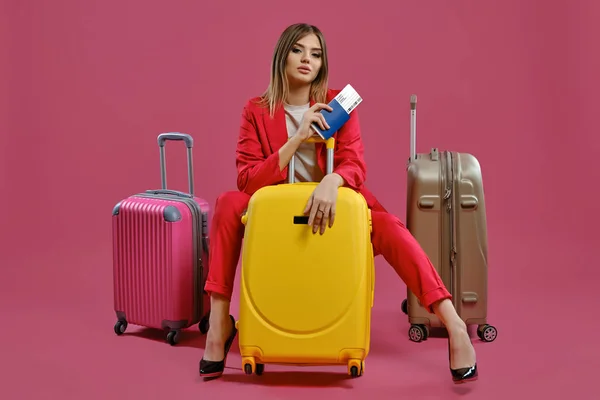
x=389, y=237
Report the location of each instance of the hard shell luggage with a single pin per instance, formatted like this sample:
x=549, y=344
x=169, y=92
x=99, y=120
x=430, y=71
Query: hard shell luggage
x=306, y=298
x=446, y=214
x=160, y=255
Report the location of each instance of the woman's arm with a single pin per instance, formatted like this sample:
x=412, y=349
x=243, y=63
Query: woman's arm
x=349, y=154
x=350, y=171
x=286, y=152
x=254, y=169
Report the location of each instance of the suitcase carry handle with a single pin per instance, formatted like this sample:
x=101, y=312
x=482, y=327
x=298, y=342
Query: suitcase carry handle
x=330, y=144
x=189, y=143
x=413, y=128
x=172, y=192
x=163, y=137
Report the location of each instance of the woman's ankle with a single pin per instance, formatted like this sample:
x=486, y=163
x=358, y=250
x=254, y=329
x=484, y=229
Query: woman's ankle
x=457, y=327
x=445, y=311
x=219, y=313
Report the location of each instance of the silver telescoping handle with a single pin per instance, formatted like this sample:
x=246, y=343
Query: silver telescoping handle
x=189, y=143
x=413, y=128
x=330, y=144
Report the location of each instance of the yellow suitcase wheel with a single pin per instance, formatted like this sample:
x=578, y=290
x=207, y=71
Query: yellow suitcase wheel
x=355, y=368
x=250, y=366
x=260, y=368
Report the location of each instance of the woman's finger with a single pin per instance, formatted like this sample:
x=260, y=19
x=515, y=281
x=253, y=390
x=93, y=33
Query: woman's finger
x=322, y=106
x=324, y=121
x=331, y=215
x=308, y=205
x=319, y=120
x=325, y=218
x=318, y=219
x=313, y=212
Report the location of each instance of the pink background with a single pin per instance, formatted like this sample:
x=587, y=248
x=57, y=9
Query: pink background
x=85, y=88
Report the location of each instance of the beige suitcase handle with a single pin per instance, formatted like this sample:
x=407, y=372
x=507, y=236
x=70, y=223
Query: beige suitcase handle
x=413, y=128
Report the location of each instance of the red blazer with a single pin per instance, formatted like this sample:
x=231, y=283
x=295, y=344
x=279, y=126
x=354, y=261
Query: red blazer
x=261, y=137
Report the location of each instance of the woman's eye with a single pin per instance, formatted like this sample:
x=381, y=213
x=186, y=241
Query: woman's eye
x=317, y=55
x=296, y=50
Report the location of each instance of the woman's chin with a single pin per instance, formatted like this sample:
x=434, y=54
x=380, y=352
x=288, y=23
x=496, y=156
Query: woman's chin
x=300, y=80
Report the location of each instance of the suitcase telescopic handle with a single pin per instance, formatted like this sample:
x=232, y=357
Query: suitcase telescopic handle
x=163, y=137
x=329, y=144
x=413, y=128
x=189, y=143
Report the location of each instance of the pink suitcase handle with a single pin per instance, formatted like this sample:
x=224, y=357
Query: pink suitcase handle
x=163, y=137
x=189, y=143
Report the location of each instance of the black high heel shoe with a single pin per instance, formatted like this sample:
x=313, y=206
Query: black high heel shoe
x=462, y=375
x=214, y=369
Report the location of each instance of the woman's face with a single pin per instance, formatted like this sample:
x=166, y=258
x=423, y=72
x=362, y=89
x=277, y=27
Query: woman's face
x=304, y=61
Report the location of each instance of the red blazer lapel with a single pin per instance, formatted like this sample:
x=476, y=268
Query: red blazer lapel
x=276, y=129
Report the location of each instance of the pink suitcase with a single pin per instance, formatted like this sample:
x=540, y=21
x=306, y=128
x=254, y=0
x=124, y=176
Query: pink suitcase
x=160, y=256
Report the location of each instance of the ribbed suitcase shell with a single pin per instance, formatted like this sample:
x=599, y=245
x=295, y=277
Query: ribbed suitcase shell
x=305, y=298
x=446, y=214
x=159, y=259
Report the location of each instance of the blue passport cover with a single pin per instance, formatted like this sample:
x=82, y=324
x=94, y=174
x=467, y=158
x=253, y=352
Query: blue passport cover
x=335, y=118
x=342, y=105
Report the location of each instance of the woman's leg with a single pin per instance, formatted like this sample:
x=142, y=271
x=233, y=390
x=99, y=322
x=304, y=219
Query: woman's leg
x=402, y=251
x=226, y=235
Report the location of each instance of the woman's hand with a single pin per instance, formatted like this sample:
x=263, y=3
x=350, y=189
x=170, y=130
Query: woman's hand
x=311, y=116
x=321, y=204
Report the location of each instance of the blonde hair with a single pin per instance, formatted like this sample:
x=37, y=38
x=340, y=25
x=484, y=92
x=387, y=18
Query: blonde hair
x=278, y=89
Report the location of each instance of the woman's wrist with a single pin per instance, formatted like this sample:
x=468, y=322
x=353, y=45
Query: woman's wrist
x=335, y=177
x=296, y=140
x=286, y=152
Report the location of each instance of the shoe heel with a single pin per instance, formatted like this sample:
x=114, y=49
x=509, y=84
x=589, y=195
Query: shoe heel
x=214, y=369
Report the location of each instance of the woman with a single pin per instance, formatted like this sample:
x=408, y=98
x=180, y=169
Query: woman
x=297, y=92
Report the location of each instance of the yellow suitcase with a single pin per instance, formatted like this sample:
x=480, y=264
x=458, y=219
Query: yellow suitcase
x=305, y=298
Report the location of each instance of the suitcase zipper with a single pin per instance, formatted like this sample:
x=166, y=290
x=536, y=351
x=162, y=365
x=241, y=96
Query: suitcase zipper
x=451, y=206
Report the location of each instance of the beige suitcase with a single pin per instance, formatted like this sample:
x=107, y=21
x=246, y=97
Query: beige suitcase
x=445, y=212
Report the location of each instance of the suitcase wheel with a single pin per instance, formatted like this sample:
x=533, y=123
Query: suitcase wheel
x=260, y=368
x=120, y=327
x=173, y=337
x=418, y=333
x=487, y=333
x=250, y=366
x=356, y=368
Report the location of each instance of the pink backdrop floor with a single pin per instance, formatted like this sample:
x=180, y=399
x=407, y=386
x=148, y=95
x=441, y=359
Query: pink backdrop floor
x=64, y=346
